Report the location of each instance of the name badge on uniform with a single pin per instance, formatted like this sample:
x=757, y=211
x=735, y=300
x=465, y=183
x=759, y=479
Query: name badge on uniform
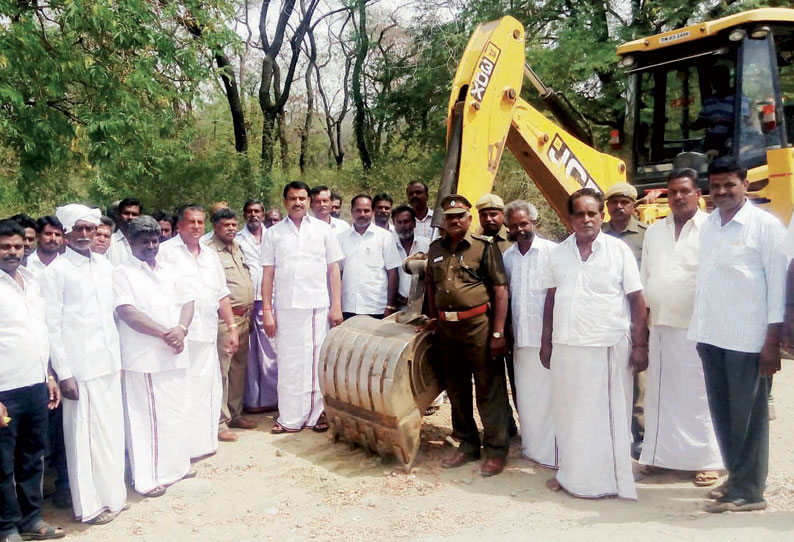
x=438, y=259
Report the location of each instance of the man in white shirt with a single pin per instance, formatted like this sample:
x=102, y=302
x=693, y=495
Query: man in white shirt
x=154, y=311
x=321, y=209
x=26, y=392
x=407, y=244
x=29, y=225
x=679, y=434
x=593, y=304
x=102, y=236
x=49, y=243
x=119, y=251
x=369, y=271
x=737, y=323
x=300, y=259
x=84, y=350
x=201, y=270
x=336, y=205
x=417, y=194
x=525, y=263
x=381, y=211
x=261, y=371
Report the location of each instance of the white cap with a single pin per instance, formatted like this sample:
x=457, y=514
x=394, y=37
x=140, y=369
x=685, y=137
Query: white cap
x=71, y=213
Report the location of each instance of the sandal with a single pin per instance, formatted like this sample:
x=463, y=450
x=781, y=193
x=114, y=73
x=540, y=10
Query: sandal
x=719, y=491
x=706, y=478
x=322, y=424
x=102, y=519
x=159, y=491
x=43, y=531
x=651, y=470
x=279, y=429
x=192, y=473
x=734, y=505
x=429, y=411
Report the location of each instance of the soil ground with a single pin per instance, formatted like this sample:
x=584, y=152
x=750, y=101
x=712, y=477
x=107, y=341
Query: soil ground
x=304, y=487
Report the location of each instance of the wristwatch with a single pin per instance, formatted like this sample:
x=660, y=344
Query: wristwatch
x=497, y=335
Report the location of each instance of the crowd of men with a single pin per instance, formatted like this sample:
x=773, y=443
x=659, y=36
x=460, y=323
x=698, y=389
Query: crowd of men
x=154, y=340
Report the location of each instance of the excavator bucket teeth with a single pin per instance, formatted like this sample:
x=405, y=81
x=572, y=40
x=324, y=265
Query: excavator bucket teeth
x=377, y=379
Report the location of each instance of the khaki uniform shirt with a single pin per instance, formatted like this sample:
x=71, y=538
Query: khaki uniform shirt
x=464, y=278
x=238, y=276
x=633, y=235
x=500, y=239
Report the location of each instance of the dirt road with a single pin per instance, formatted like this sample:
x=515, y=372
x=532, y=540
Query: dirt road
x=303, y=487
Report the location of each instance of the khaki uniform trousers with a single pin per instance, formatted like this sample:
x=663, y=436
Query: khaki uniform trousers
x=233, y=370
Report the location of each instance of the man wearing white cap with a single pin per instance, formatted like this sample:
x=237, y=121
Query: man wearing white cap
x=84, y=350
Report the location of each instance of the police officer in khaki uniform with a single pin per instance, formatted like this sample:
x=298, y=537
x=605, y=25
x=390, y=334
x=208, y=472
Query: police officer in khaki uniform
x=241, y=289
x=467, y=297
x=491, y=211
x=621, y=201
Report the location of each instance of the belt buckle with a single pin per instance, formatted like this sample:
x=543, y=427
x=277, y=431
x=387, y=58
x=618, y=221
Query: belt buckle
x=451, y=316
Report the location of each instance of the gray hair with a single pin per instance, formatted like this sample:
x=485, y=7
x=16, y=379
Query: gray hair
x=521, y=205
x=143, y=225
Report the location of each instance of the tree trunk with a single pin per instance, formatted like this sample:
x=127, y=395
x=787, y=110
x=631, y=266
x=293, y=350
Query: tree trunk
x=282, y=140
x=235, y=104
x=307, y=124
x=359, y=120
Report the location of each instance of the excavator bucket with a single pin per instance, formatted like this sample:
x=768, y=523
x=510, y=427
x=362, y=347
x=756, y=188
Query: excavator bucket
x=377, y=378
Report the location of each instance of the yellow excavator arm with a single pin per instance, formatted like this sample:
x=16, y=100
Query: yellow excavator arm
x=486, y=114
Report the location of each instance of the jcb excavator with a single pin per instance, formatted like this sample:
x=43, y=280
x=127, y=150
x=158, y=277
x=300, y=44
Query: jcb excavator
x=719, y=88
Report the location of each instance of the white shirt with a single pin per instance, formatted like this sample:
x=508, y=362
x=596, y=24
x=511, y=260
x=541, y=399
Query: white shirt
x=36, y=266
x=423, y=227
x=159, y=294
x=338, y=225
x=253, y=257
x=301, y=257
x=741, y=280
x=364, y=279
x=420, y=244
x=525, y=274
x=787, y=246
x=590, y=305
x=206, y=238
x=24, y=347
x=119, y=249
x=84, y=342
x=669, y=268
x=205, y=277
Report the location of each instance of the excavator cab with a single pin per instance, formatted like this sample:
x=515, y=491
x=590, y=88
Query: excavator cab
x=721, y=88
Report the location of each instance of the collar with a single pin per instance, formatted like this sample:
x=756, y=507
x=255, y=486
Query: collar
x=370, y=230
x=220, y=246
x=633, y=226
x=533, y=248
x=699, y=218
x=501, y=235
x=26, y=275
x=428, y=216
x=245, y=232
x=741, y=216
x=467, y=238
x=599, y=242
x=76, y=258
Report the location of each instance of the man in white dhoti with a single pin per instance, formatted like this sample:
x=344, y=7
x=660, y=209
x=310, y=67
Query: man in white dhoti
x=678, y=430
x=119, y=251
x=300, y=258
x=201, y=270
x=594, y=302
x=261, y=371
x=84, y=351
x=526, y=262
x=154, y=311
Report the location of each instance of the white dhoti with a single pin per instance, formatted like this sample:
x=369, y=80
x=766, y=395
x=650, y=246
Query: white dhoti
x=299, y=336
x=93, y=432
x=158, y=439
x=678, y=430
x=592, y=395
x=206, y=392
x=534, y=405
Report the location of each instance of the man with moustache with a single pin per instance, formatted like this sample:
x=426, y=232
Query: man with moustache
x=737, y=323
x=166, y=221
x=407, y=244
x=621, y=201
x=336, y=205
x=27, y=392
x=490, y=210
x=300, y=258
x=417, y=194
x=120, y=250
x=525, y=263
x=261, y=370
x=467, y=298
x=29, y=225
x=202, y=272
x=154, y=309
x=84, y=351
x=49, y=243
x=592, y=352
x=679, y=433
x=369, y=270
x=272, y=217
x=321, y=209
x=381, y=208
x=104, y=232
x=241, y=297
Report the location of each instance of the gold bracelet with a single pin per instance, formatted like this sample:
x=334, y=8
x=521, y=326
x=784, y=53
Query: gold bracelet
x=50, y=377
x=233, y=325
x=184, y=328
